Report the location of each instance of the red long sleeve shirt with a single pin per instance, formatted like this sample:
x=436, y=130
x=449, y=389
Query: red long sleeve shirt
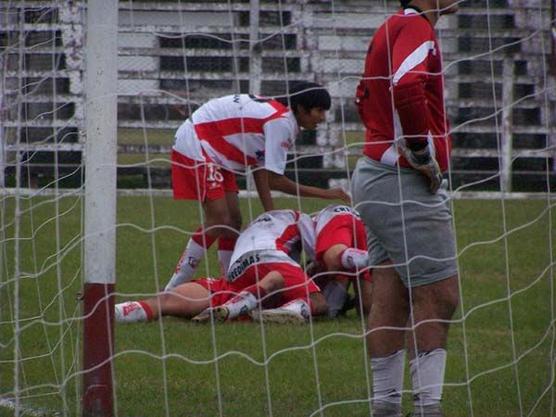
x=401, y=92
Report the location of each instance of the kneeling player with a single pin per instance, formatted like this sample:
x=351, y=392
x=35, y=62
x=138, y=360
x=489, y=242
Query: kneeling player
x=341, y=246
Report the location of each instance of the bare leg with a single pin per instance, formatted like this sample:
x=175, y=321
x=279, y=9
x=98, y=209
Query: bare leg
x=434, y=301
x=390, y=307
x=184, y=301
x=229, y=235
x=216, y=215
x=433, y=306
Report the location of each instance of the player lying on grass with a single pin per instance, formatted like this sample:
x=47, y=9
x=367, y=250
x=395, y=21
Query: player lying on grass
x=261, y=270
x=230, y=135
x=192, y=298
x=335, y=238
x=341, y=257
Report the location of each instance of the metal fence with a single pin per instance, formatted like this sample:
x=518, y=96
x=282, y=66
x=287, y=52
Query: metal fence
x=174, y=56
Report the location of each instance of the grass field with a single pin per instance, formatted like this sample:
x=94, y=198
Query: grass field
x=501, y=358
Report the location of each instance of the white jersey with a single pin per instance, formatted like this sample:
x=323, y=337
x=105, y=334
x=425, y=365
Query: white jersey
x=238, y=131
x=277, y=231
x=327, y=214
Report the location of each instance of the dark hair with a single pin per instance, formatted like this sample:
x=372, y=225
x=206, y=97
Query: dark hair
x=307, y=95
x=405, y=3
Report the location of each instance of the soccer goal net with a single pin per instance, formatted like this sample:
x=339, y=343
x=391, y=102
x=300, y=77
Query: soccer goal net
x=89, y=110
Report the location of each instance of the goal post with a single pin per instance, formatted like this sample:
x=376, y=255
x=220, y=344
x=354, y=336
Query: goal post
x=100, y=207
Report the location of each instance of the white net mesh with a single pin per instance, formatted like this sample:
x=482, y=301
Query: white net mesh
x=173, y=56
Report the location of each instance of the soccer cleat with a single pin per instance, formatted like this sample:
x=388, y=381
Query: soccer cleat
x=202, y=317
x=220, y=314
x=295, y=312
x=386, y=409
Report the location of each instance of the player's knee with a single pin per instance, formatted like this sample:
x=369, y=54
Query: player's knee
x=331, y=258
x=449, y=303
x=272, y=282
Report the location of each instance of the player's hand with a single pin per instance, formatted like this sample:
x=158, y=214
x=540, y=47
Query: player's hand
x=338, y=193
x=423, y=162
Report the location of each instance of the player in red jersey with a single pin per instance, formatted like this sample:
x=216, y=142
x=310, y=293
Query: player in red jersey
x=341, y=257
x=226, y=136
x=262, y=272
x=397, y=190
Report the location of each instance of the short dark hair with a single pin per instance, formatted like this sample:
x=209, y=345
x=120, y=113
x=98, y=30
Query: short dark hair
x=405, y=3
x=307, y=95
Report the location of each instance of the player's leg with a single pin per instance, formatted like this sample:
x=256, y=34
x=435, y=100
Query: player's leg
x=300, y=298
x=389, y=309
x=200, y=181
x=433, y=306
x=249, y=298
x=229, y=236
x=340, y=246
x=363, y=294
x=186, y=300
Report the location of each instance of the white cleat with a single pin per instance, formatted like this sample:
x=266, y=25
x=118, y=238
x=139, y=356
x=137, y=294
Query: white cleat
x=220, y=314
x=278, y=315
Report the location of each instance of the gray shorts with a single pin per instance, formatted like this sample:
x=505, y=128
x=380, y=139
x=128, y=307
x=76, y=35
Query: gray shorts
x=417, y=236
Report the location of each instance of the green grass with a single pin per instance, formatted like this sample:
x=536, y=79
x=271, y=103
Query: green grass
x=243, y=369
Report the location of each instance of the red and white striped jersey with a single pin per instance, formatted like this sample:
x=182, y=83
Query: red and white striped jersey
x=276, y=230
x=238, y=131
x=403, y=52
x=327, y=214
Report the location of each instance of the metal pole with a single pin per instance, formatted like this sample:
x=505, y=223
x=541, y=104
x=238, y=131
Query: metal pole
x=100, y=207
x=507, y=125
x=255, y=60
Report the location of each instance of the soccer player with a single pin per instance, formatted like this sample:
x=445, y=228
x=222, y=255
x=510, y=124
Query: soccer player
x=226, y=136
x=397, y=190
x=266, y=247
x=190, y=299
x=261, y=270
x=341, y=246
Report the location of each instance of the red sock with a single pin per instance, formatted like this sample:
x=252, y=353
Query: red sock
x=202, y=239
x=148, y=309
x=227, y=243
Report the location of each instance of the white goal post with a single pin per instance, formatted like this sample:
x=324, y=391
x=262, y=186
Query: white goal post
x=100, y=207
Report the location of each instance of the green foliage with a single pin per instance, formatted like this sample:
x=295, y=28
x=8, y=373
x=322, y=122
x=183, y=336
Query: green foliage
x=501, y=347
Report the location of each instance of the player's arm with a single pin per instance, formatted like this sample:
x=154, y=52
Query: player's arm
x=260, y=176
x=409, y=63
x=284, y=184
x=278, y=140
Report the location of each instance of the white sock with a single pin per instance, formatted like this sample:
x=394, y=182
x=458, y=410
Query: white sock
x=130, y=312
x=243, y=303
x=388, y=377
x=335, y=294
x=353, y=258
x=187, y=265
x=224, y=257
x=298, y=306
x=427, y=376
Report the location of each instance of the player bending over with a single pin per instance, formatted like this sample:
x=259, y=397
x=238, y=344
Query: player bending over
x=228, y=135
x=340, y=247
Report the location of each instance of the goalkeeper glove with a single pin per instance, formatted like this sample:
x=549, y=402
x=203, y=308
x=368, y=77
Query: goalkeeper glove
x=422, y=161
